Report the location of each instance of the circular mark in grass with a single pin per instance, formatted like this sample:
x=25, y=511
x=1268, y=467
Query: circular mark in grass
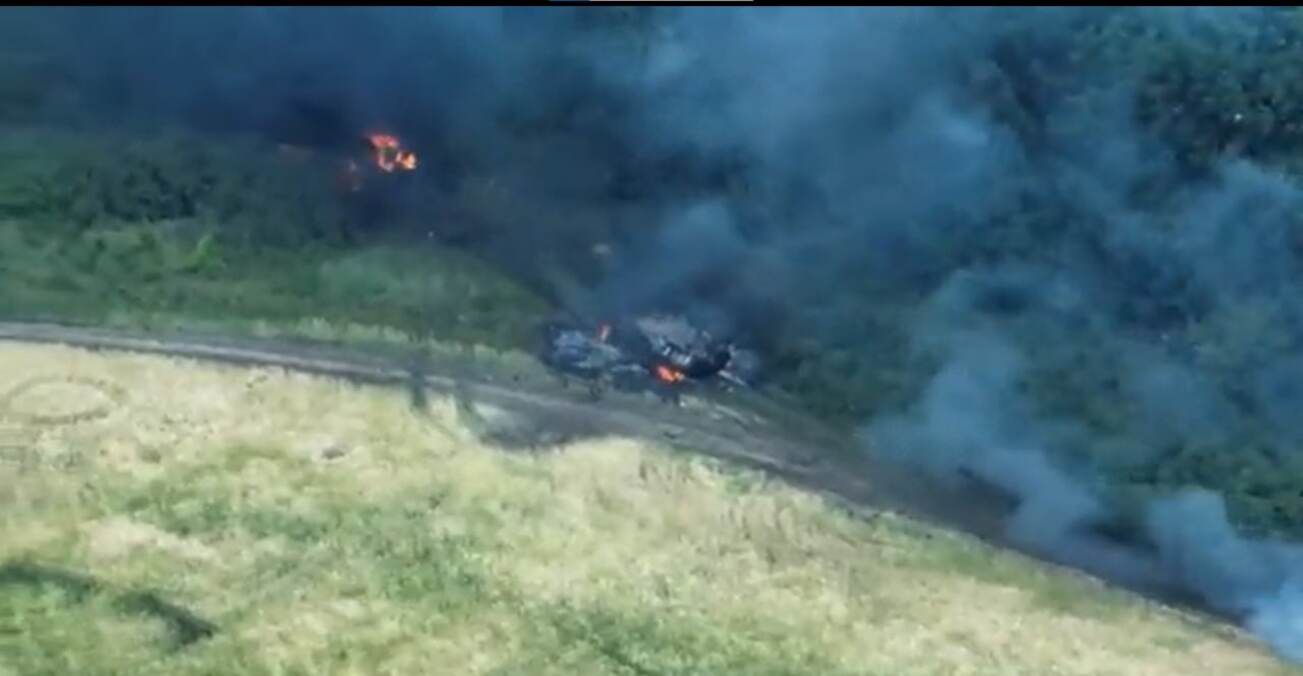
x=60, y=400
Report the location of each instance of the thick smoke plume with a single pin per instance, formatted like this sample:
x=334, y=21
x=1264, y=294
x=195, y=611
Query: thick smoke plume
x=796, y=172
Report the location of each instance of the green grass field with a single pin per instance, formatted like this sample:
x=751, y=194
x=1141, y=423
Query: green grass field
x=166, y=517
x=129, y=277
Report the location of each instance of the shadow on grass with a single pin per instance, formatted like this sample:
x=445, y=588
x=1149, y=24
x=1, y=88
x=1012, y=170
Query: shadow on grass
x=186, y=627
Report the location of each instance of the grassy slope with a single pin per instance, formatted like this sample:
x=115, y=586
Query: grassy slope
x=325, y=528
x=436, y=293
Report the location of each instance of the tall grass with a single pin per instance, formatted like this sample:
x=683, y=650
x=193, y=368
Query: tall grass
x=318, y=527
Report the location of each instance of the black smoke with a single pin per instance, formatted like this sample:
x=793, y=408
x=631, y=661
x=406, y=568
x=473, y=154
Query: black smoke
x=1072, y=298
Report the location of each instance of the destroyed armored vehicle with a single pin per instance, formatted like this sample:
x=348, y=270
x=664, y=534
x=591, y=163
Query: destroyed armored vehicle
x=654, y=351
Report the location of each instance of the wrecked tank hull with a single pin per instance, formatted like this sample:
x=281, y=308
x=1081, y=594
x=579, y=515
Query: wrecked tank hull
x=651, y=352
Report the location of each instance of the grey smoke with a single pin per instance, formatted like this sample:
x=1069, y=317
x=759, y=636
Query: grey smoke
x=972, y=423
x=1259, y=580
x=862, y=162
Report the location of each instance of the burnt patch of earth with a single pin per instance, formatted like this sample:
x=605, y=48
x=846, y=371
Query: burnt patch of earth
x=526, y=429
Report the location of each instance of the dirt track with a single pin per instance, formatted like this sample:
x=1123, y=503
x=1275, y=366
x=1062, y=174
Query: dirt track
x=530, y=414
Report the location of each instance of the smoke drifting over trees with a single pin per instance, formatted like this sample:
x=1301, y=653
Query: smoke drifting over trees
x=1055, y=249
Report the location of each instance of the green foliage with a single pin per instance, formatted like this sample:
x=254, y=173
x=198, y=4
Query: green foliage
x=242, y=188
x=1259, y=482
x=1208, y=86
x=205, y=259
x=1212, y=85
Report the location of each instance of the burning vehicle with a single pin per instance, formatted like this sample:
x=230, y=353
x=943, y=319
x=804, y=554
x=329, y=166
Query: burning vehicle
x=659, y=352
x=385, y=155
x=374, y=177
x=378, y=153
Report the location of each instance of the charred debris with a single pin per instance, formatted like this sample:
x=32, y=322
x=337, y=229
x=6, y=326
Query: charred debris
x=661, y=353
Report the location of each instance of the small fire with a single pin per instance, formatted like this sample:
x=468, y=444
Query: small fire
x=669, y=375
x=389, y=154
x=603, y=332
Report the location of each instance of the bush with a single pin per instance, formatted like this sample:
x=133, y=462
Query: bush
x=236, y=186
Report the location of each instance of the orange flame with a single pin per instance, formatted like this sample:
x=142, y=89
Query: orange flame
x=603, y=332
x=389, y=154
x=669, y=375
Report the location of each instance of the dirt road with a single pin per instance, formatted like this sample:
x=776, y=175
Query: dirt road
x=530, y=414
